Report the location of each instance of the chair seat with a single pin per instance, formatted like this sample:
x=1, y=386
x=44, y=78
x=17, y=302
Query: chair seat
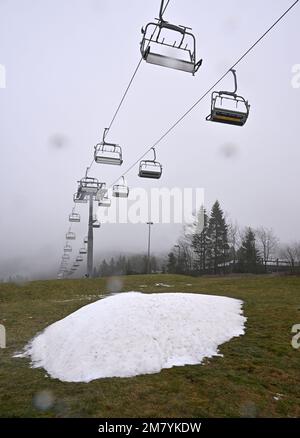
x=116, y=161
x=121, y=194
x=170, y=62
x=229, y=117
x=155, y=174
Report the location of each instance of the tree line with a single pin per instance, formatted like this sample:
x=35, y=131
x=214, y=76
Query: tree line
x=212, y=245
x=128, y=265
x=215, y=245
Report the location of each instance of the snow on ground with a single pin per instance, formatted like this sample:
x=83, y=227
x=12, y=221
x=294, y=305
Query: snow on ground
x=134, y=333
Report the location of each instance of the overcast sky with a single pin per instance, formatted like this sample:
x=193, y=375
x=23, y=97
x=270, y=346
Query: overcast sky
x=67, y=64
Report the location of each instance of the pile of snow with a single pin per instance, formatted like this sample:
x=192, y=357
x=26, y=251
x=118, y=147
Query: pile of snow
x=134, y=333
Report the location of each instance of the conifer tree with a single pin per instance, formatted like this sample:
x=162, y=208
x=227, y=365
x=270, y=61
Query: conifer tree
x=200, y=240
x=217, y=251
x=249, y=259
x=172, y=262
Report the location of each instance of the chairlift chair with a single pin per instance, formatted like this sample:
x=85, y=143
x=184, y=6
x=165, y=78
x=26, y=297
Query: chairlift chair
x=82, y=251
x=67, y=248
x=85, y=240
x=70, y=235
x=108, y=153
x=66, y=257
x=104, y=202
x=96, y=224
x=179, y=55
x=101, y=192
x=74, y=217
x=121, y=190
x=76, y=265
x=79, y=199
x=88, y=186
x=150, y=168
x=229, y=108
x=79, y=258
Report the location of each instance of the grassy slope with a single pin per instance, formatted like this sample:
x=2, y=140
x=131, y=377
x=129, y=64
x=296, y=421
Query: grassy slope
x=254, y=368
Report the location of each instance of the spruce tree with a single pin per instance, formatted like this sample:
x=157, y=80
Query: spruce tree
x=103, y=269
x=249, y=259
x=200, y=240
x=217, y=251
x=172, y=262
x=112, y=267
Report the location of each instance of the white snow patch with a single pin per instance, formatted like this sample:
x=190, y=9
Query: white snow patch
x=134, y=333
x=162, y=285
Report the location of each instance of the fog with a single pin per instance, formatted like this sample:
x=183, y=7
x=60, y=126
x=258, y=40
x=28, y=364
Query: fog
x=67, y=65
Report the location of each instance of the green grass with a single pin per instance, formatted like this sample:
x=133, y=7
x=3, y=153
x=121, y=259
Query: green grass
x=255, y=367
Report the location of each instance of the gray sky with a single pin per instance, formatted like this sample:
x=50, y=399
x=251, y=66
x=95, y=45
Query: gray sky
x=67, y=64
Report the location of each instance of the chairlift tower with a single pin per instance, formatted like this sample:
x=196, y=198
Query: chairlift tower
x=90, y=255
x=88, y=190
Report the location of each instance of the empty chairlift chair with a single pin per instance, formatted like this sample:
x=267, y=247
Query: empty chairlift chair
x=96, y=223
x=67, y=248
x=104, y=202
x=108, y=153
x=82, y=251
x=74, y=217
x=150, y=168
x=79, y=258
x=121, y=190
x=158, y=45
x=101, y=192
x=88, y=186
x=70, y=235
x=79, y=199
x=229, y=108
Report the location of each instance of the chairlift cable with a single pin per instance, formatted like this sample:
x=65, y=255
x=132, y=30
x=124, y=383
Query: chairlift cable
x=128, y=86
x=174, y=125
x=125, y=93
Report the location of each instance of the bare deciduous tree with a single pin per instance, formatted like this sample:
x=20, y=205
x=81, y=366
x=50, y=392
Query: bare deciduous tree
x=186, y=254
x=268, y=242
x=291, y=253
x=234, y=239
